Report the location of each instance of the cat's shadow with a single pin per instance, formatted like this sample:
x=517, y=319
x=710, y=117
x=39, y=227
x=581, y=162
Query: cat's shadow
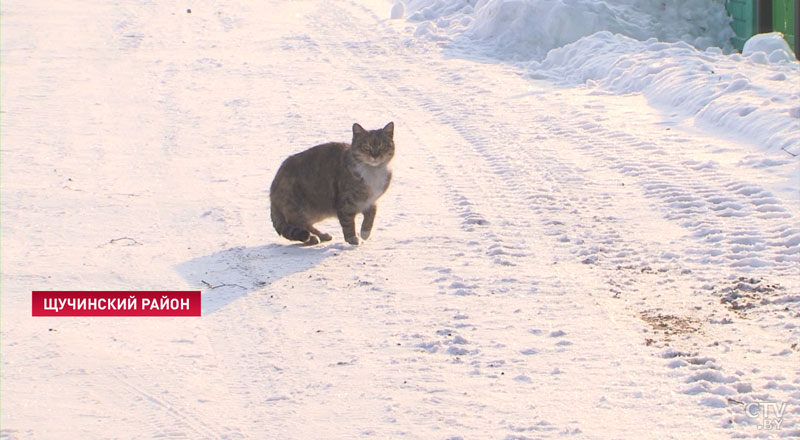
x=230, y=274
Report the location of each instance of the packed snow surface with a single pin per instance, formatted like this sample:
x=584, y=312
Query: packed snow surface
x=590, y=234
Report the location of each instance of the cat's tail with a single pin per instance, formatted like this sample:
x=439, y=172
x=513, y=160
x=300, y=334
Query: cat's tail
x=286, y=230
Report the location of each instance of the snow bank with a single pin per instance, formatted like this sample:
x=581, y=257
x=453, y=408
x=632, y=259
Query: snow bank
x=672, y=52
x=528, y=29
x=754, y=95
x=768, y=48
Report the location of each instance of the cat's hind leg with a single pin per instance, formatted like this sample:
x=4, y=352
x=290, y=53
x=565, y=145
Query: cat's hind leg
x=286, y=228
x=296, y=234
x=322, y=236
x=312, y=240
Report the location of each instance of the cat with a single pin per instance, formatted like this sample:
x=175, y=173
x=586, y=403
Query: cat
x=333, y=180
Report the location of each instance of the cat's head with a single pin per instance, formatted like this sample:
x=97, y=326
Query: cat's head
x=373, y=147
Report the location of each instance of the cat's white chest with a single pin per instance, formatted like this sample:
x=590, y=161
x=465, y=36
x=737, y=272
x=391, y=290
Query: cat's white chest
x=375, y=179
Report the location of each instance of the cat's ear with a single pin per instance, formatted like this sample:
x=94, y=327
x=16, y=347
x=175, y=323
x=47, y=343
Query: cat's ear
x=358, y=130
x=389, y=129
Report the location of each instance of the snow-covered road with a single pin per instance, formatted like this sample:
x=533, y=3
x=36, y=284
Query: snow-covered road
x=549, y=262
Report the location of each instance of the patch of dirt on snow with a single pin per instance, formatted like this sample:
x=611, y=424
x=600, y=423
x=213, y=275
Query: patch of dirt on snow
x=669, y=325
x=744, y=294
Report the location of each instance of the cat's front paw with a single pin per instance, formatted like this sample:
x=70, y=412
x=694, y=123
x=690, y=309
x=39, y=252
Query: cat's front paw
x=365, y=234
x=354, y=240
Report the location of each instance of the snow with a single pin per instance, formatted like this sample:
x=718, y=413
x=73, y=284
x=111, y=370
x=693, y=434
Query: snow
x=749, y=97
x=528, y=29
x=772, y=45
x=398, y=10
x=676, y=54
x=592, y=231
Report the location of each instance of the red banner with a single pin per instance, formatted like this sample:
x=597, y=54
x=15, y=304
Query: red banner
x=116, y=303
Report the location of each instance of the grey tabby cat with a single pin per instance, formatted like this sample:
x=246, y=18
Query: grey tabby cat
x=333, y=180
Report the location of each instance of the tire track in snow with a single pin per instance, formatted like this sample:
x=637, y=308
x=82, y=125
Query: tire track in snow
x=719, y=209
x=488, y=236
x=686, y=201
x=168, y=418
x=471, y=149
x=495, y=244
x=736, y=222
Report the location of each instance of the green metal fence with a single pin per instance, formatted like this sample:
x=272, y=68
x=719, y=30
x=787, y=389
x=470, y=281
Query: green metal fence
x=750, y=17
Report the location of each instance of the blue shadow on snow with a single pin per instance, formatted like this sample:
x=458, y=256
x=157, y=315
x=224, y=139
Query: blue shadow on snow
x=227, y=275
